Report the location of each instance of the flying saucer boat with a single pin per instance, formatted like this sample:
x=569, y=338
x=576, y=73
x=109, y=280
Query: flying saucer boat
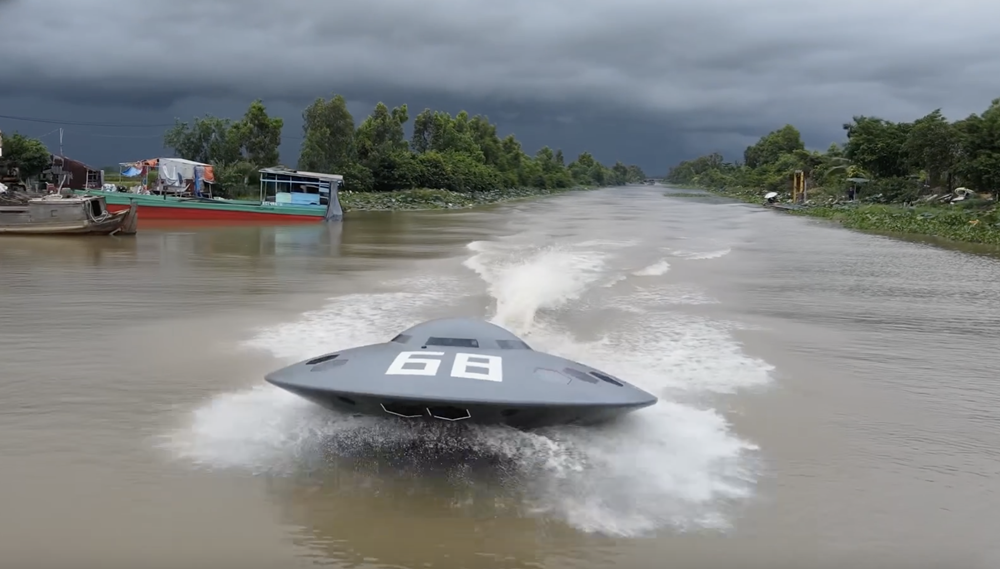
x=461, y=370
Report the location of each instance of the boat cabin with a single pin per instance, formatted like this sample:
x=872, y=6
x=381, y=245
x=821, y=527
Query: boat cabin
x=279, y=186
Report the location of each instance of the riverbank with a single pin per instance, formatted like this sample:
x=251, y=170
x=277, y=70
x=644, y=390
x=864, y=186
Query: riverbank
x=418, y=199
x=962, y=222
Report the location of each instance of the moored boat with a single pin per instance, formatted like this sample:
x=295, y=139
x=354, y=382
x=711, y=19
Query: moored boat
x=285, y=196
x=206, y=209
x=61, y=215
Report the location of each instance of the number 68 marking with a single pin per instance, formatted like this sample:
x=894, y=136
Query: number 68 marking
x=462, y=367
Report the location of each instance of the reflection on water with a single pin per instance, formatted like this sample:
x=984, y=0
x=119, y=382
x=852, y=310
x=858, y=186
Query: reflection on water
x=23, y=253
x=825, y=394
x=341, y=526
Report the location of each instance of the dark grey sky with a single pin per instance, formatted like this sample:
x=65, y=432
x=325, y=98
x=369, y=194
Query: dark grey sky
x=645, y=81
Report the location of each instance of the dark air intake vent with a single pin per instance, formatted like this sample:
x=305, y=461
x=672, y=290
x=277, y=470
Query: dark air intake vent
x=606, y=378
x=577, y=374
x=512, y=345
x=452, y=342
x=321, y=359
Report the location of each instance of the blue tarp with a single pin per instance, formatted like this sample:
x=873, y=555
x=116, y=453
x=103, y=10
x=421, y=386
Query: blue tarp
x=304, y=199
x=132, y=172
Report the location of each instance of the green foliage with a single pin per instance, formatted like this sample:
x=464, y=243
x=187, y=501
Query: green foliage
x=900, y=159
x=259, y=135
x=237, y=179
x=877, y=146
x=773, y=146
x=328, y=142
x=432, y=199
x=970, y=224
x=459, y=154
x=29, y=155
x=902, y=163
x=211, y=140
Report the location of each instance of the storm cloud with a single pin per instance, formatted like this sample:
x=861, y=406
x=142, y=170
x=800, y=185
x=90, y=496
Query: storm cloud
x=646, y=81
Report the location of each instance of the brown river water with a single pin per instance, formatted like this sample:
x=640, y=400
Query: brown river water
x=827, y=398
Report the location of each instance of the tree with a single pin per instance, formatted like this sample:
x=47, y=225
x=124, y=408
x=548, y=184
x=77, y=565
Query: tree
x=877, y=145
x=381, y=134
x=259, y=136
x=29, y=155
x=932, y=145
x=979, y=156
x=328, y=129
x=771, y=146
x=458, y=153
x=892, y=156
x=208, y=139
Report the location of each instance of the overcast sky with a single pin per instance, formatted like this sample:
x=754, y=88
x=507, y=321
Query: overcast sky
x=644, y=81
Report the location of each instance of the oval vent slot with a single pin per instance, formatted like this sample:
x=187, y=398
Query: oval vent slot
x=512, y=345
x=606, y=378
x=328, y=365
x=321, y=359
x=577, y=374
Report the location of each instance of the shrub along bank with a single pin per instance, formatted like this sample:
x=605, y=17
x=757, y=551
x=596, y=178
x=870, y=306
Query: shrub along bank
x=970, y=221
x=970, y=225
x=895, y=168
x=434, y=199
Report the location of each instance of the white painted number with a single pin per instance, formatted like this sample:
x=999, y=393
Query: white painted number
x=428, y=366
x=492, y=366
x=466, y=366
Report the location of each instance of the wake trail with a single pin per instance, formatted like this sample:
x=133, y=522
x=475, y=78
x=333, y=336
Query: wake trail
x=670, y=465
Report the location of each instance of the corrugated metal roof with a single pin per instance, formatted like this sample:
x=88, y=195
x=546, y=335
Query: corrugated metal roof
x=303, y=174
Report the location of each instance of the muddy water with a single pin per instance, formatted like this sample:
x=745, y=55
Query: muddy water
x=827, y=397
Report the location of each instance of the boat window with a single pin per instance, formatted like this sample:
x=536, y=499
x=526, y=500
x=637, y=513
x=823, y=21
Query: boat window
x=512, y=345
x=577, y=374
x=401, y=339
x=452, y=342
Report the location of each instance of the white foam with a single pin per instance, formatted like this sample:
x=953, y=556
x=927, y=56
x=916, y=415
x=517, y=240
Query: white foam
x=704, y=255
x=655, y=270
x=641, y=299
x=526, y=280
x=670, y=465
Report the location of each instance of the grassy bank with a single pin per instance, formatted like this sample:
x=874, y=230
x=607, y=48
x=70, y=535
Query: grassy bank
x=419, y=199
x=968, y=225
x=975, y=221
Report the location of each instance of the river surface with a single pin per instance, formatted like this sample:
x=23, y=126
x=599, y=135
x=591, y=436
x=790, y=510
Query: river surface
x=827, y=398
